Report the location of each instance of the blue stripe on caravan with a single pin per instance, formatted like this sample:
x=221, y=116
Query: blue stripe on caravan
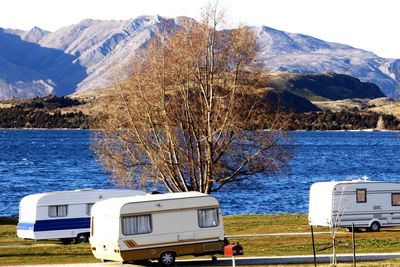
x=58, y=224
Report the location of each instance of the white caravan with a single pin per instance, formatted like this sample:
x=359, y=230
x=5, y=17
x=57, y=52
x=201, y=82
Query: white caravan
x=62, y=215
x=160, y=226
x=367, y=204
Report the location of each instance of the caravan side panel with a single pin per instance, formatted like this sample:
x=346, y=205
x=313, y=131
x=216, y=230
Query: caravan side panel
x=75, y=222
x=363, y=203
x=204, y=248
x=64, y=214
x=183, y=235
x=320, y=204
x=176, y=227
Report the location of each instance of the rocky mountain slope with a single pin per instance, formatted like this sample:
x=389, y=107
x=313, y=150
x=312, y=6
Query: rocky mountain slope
x=85, y=55
x=323, y=87
x=297, y=53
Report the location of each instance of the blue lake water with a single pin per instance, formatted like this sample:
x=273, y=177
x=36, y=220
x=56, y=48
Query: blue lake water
x=33, y=161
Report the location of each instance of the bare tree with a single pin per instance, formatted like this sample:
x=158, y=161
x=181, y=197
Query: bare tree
x=339, y=206
x=181, y=118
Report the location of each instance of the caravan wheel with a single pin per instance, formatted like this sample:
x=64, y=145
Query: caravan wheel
x=81, y=238
x=167, y=258
x=375, y=227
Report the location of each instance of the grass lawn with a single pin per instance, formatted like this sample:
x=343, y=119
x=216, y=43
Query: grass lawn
x=31, y=252
x=388, y=240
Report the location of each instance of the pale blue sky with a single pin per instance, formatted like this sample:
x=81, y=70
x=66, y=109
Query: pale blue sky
x=368, y=24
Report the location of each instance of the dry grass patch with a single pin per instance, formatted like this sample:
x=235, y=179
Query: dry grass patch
x=257, y=224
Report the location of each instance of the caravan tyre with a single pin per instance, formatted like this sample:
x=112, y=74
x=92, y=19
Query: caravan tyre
x=375, y=227
x=167, y=258
x=81, y=238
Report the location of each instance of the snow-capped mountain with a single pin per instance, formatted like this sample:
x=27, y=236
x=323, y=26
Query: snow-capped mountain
x=82, y=56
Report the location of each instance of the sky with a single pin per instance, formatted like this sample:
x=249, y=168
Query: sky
x=367, y=24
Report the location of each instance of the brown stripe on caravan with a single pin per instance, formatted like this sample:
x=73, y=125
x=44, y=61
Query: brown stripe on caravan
x=204, y=248
x=133, y=244
x=130, y=243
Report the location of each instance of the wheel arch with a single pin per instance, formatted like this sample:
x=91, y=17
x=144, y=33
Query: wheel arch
x=373, y=221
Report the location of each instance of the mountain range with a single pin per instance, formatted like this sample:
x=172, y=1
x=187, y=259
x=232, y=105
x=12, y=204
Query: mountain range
x=87, y=55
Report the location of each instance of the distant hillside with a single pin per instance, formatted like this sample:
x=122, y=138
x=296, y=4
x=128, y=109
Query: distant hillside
x=298, y=113
x=322, y=87
x=285, y=101
x=343, y=120
x=279, y=91
x=82, y=56
x=42, y=112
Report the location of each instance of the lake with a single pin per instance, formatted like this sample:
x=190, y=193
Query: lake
x=33, y=161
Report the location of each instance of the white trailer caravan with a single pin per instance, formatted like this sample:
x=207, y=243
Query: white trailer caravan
x=160, y=226
x=62, y=215
x=367, y=204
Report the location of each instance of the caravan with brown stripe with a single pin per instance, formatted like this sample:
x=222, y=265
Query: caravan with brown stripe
x=161, y=226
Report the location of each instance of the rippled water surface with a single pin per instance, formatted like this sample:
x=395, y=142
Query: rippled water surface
x=49, y=160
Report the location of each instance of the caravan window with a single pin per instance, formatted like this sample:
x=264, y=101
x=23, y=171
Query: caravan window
x=208, y=218
x=135, y=225
x=395, y=199
x=58, y=211
x=361, y=195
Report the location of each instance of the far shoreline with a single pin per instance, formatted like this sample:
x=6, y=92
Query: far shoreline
x=43, y=129
x=79, y=129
